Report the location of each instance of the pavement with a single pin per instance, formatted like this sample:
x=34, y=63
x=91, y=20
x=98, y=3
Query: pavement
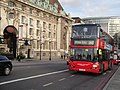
x=113, y=83
x=35, y=61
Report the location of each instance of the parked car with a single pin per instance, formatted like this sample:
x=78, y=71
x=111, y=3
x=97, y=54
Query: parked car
x=5, y=65
x=117, y=61
x=8, y=55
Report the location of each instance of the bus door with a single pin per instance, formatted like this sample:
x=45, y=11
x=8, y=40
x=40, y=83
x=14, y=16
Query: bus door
x=104, y=56
x=100, y=58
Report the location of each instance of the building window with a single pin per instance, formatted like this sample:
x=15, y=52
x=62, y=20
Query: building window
x=54, y=27
x=44, y=25
x=31, y=22
x=37, y=32
x=11, y=4
x=11, y=15
x=31, y=10
x=38, y=44
x=49, y=27
x=38, y=24
x=49, y=35
x=23, y=19
x=30, y=32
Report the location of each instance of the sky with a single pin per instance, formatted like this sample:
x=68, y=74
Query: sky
x=91, y=8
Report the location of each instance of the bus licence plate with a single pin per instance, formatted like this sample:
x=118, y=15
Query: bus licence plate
x=81, y=69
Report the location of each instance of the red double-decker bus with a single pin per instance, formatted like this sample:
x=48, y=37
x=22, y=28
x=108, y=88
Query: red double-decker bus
x=91, y=49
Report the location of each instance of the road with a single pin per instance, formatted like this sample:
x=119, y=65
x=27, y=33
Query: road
x=52, y=75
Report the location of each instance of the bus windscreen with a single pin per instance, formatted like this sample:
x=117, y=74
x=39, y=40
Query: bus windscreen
x=84, y=31
x=86, y=54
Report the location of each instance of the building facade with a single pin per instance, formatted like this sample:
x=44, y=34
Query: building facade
x=41, y=27
x=109, y=24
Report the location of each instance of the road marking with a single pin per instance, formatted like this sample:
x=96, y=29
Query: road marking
x=72, y=75
x=47, y=84
x=62, y=79
x=32, y=77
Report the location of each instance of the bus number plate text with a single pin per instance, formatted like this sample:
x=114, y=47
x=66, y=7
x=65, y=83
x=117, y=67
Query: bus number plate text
x=81, y=69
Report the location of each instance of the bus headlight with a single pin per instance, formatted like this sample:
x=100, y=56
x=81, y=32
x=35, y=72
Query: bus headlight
x=95, y=65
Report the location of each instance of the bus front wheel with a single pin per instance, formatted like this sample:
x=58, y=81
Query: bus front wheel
x=102, y=69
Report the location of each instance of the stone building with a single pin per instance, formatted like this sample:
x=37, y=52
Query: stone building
x=35, y=28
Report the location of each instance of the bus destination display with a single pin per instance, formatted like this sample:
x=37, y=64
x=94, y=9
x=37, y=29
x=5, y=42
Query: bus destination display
x=83, y=42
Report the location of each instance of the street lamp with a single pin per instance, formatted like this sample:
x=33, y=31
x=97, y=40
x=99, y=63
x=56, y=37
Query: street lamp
x=50, y=49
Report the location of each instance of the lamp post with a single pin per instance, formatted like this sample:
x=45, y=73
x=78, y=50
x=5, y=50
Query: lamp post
x=50, y=49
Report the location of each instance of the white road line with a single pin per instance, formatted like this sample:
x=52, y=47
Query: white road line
x=31, y=77
x=47, y=84
x=72, y=75
x=62, y=79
